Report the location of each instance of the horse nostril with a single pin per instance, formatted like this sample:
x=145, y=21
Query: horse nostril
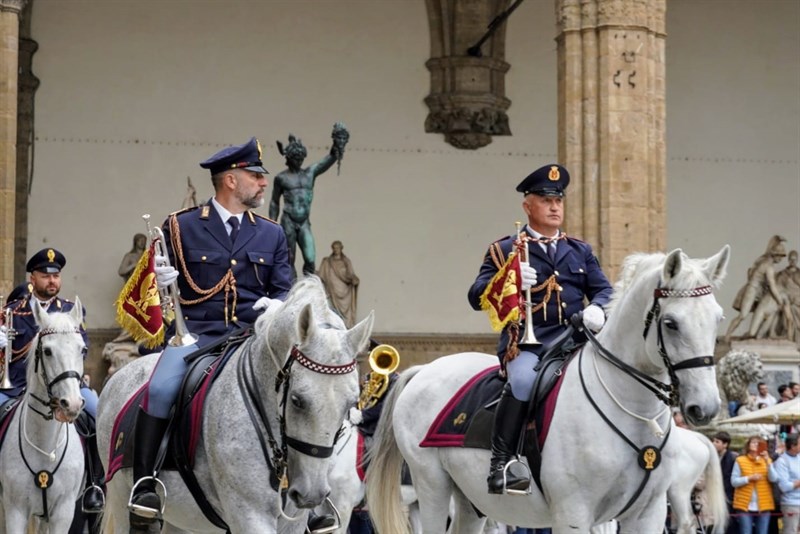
x=294, y=495
x=63, y=403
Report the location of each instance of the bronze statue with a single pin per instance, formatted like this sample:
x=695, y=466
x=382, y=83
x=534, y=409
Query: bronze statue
x=296, y=185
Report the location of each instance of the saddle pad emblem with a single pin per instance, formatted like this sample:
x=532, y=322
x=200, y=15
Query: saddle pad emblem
x=649, y=458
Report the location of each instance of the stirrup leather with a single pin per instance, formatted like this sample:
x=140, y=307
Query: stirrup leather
x=511, y=491
x=145, y=511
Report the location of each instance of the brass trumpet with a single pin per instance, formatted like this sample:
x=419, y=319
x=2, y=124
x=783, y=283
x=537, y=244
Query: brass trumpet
x=8, y=352
x=383, y=360
x=529, y=338
x=170, y=295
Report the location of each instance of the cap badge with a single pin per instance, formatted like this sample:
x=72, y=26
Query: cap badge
x=258, y=146
x=51, y=255
x=554, y=174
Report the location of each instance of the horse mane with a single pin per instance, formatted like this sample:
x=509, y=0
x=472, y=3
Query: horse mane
x=639, y=265
x=309, y=290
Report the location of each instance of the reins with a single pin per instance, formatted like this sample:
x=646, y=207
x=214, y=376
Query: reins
x=649, y=457
x=276, y=451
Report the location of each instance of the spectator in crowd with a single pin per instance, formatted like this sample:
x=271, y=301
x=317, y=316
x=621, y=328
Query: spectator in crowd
x=795, y=388
x=785, y=473
x=764, y=395
x=785, y=393
x=722, y=442
x=752, y=494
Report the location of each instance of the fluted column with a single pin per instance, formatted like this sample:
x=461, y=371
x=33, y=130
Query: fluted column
x=9, y=53
x=611, y=123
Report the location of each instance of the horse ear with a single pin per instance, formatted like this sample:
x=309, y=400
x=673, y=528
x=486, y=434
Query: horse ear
x=37, y=311
x=77, y=311
x=716, y=267
x=672, y=265
x=305, y=323
x=358, y=336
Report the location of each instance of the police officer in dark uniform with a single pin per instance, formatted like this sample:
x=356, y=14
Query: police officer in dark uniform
x=230, y=265
x=44, y=285
x=567, y=272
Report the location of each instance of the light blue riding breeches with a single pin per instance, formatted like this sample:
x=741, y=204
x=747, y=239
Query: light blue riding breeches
x=521, y=374
x=89, y=397
x=166, y=380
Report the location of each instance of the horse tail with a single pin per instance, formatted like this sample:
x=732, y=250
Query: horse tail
x=716, y=506
x=385, y=467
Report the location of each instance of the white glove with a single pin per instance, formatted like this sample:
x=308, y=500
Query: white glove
x=263, y=303
x=594, y=317
x=165, y=275
x=528, y=275
x=3, y=338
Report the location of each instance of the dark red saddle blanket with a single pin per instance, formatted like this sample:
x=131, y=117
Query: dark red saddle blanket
x=187, y=429
x=466, y=420
x=9, y=407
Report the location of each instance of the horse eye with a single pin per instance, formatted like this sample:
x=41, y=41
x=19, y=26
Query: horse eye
x=84, y=351
x=671, y=324
x=297, y=402
x=47, y=351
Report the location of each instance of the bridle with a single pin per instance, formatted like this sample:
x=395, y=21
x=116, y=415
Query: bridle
x=275, y=451
x=668, y=393
x=52, y=402
x=649, y=457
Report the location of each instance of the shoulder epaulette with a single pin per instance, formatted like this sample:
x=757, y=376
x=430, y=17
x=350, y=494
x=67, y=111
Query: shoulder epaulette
x=265, y=218
x=184, y=210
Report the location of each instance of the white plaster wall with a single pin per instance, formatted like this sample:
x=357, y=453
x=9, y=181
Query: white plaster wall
x=135, y=93
x=733, y=129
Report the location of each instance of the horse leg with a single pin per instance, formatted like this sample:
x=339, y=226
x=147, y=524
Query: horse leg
x=465, y=519
x=434, y=488
x=17, y=521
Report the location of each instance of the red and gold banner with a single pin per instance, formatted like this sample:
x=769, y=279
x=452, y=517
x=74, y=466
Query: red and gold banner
x=501, y=298
x=139, y=304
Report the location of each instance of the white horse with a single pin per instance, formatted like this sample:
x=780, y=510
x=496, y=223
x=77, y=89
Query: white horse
x=314, y=353
x=661, y=330
x=41, y=462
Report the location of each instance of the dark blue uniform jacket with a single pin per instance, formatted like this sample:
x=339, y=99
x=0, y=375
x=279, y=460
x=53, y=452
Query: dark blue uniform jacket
x=576, y=270
x=203, y=254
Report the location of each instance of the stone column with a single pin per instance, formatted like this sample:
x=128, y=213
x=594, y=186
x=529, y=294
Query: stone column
x=611, y=123
x=9, y=53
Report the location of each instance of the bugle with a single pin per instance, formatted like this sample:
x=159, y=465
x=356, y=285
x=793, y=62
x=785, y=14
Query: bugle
x=8, y=320
x=528, y=338
x=383, y=360
x=170, y=295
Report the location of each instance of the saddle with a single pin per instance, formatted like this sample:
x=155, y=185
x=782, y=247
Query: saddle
x=177, y=450
x=466, y=421
x=7, y=410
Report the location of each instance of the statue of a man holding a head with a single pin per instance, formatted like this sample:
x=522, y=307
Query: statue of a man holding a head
x=296, y=185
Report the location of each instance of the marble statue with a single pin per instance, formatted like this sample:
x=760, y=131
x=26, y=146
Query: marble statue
x=341, y=283
x=761, y=282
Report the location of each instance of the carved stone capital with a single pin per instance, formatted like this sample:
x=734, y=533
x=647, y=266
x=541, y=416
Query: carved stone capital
x=568, y=14
x=13, y=6
x=622, y=13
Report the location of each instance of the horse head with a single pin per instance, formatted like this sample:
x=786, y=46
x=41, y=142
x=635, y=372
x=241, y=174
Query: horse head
x=55, y=358
x=672, y=296
x=319, y=383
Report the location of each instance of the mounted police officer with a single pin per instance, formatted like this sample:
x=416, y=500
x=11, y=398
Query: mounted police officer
x=568, y=272
x=230, y=264
x=44, y=284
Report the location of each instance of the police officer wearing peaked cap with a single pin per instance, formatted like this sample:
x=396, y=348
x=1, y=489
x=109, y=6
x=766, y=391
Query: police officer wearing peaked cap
x=567, y=271
x=230, y=265
x=44, y=285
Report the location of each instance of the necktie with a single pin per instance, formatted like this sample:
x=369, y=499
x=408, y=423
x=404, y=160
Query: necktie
x=551, y=251
x=234, y=222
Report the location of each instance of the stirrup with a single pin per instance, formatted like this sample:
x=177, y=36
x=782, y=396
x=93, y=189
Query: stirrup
x=333, y=528
x=102, y=499
x=145, y=511
x=506, y=490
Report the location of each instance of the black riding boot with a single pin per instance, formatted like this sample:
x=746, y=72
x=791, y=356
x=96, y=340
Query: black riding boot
x=93, y=498
x=509, y=418
x=145, y=505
